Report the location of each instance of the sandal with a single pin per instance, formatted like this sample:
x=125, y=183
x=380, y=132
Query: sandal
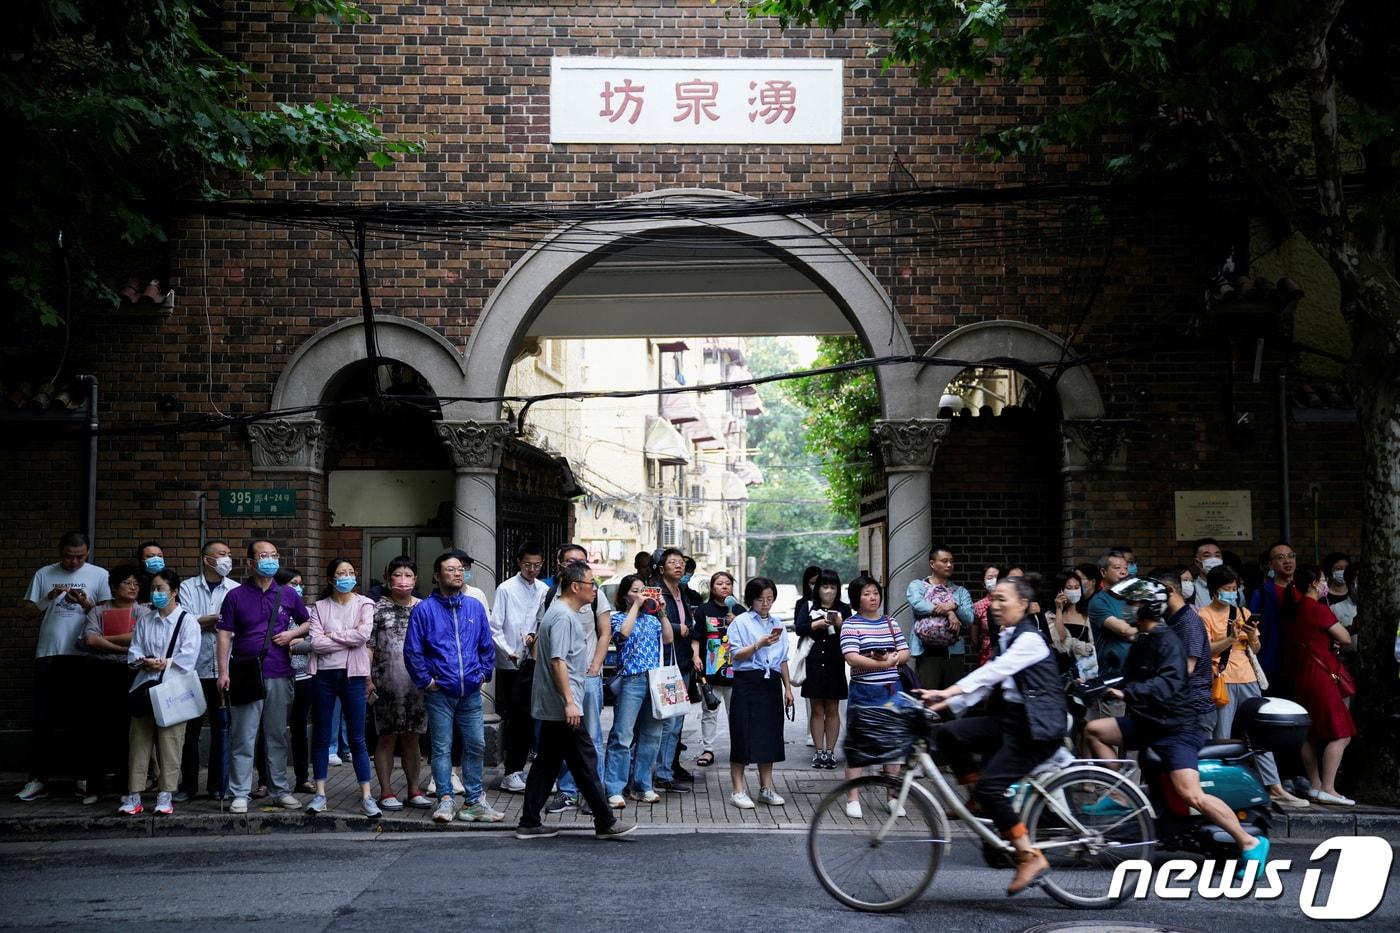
x=706, y=758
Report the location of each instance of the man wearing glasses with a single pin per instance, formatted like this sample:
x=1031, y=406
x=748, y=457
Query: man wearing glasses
x=1267, y=605
x=556, y=701
x=513, y=630
x=449, y=653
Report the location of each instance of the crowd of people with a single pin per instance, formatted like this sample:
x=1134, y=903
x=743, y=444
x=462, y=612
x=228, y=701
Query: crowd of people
x=415, y=657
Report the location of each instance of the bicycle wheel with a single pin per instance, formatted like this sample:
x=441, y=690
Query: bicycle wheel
x=874, y=863
x=1087, y=822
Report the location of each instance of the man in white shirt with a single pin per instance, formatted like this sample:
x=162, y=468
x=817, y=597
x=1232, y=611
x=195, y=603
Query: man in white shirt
x=60, y=595
x=203, y=597
x=513, y=630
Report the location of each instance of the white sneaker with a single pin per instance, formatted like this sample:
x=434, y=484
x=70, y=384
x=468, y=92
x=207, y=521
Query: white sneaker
x=391, y=803
x=1336, y=800
x=742, y=800
x=650, y=796
x=896, y=809
x=853, y=810
x=131, y=805
x=335, y=760
x=34, y=790
x=480, y=812
x=443, y=813
x=810, y=743
x=239, y=805
x=769, y=796
x=617, y=802
x=288, y=802
x=164, y=806
x=457, y=786
x=514, y=783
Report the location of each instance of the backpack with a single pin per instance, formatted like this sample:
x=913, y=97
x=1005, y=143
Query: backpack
x=937, y=631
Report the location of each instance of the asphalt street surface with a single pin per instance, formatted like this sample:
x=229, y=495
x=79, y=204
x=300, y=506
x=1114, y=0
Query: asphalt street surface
x=491, y=881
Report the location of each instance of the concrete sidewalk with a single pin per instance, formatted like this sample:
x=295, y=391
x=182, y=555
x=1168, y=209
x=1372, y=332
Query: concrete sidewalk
x=707, y=808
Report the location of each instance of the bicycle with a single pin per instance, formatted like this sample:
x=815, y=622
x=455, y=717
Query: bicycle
x=1084, y=817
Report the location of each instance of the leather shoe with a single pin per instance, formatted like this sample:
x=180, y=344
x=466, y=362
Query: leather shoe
x=1029, y=866
x=680, y=774
x=672, y=787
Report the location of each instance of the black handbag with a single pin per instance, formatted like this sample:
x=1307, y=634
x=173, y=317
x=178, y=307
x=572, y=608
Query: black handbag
x=245, y=675
x=708, y=693
x=139, y=700
x=612, y=687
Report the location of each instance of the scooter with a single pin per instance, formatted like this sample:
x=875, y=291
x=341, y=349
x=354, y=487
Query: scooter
x=1228, y=771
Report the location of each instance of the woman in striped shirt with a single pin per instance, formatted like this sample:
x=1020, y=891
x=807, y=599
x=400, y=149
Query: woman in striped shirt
x=874, y=648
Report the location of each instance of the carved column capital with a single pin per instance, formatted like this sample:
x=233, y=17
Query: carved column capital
x=1095, y=444
x=289, y=445
x=475, y=446
x=910, y=444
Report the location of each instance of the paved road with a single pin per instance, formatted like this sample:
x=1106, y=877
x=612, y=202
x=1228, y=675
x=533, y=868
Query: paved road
x=757, y=881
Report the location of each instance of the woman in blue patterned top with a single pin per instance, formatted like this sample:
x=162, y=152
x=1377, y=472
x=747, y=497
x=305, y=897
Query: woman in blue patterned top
x=759, y=646
x=640, y=637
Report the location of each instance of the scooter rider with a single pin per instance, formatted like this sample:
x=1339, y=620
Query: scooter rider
x=1030, y=727
x=1160, y=714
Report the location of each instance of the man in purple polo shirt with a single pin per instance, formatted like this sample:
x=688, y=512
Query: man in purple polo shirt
x=242, y=630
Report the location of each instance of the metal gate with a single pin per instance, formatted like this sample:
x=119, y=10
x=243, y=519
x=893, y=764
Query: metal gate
x=521, y=517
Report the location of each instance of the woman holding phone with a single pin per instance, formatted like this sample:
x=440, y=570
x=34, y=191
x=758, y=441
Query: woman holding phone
x=762, y=690
x=641, y=640
x=874, y=647
x=1233, y=631
x=825, y=684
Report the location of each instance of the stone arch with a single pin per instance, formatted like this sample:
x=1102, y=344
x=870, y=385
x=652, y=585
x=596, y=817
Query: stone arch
x=316, y=363
x=987, y=340
x=541, y=272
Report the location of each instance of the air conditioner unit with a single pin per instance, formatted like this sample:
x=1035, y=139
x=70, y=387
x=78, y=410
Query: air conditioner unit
x=670, y=532
x=703, y=546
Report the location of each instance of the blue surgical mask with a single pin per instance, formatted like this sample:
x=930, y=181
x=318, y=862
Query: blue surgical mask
x=1132, y=570
x=1271, y=573
x=1229, y=597
x=466, y=576
x=685, y=579
x=344, y=584
x=299, y=589
x=160, y=600
x=268, y=566
x=155, y=564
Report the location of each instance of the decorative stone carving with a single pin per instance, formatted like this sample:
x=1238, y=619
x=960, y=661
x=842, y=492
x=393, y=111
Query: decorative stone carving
x=284, y=445
x=475, y=445
x=910, y=444
x=1099, y=444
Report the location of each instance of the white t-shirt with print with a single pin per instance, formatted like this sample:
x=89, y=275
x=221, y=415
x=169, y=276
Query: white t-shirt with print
x=63, y=619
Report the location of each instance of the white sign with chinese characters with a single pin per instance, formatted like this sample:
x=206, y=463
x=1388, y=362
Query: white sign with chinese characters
x=695, y=100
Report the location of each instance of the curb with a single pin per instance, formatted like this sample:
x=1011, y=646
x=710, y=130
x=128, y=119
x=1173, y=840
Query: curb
x=1303, y=826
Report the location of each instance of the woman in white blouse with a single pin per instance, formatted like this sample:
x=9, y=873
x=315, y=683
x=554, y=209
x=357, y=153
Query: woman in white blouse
x=166, y=638
x=342, y=622
x=762, y=690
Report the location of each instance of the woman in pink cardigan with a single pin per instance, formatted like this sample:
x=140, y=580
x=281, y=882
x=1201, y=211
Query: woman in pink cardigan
x=341, y=624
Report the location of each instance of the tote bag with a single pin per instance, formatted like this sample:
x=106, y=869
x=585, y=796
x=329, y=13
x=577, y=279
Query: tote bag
x=178, y=698
x=669, y=695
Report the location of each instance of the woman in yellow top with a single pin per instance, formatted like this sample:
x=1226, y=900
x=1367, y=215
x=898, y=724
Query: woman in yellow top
x=1230, y=627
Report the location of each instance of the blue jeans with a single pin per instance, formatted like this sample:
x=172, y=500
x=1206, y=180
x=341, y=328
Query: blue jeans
x=330, y=686
x=632, y=713
x=593, y=725
x=670, y=738
x=461, y=716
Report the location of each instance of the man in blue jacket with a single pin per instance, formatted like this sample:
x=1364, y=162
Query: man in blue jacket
x=449, y=654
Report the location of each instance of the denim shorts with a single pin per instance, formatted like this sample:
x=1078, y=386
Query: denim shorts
x=864, y=694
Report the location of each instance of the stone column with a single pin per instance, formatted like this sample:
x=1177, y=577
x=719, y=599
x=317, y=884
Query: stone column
x=908, y=448
x=476, y=448
x=296, y=449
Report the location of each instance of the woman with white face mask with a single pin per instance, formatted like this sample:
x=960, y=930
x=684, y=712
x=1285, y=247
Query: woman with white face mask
x=981, y=626
x=1340, y=598
x=1069, y=632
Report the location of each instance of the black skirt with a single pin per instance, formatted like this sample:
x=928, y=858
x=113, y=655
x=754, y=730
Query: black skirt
x=756, y=718
x=826, y=670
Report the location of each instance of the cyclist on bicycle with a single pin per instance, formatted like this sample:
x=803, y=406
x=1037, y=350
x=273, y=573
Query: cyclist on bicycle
x=1030, y=725
x=1160, y=715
